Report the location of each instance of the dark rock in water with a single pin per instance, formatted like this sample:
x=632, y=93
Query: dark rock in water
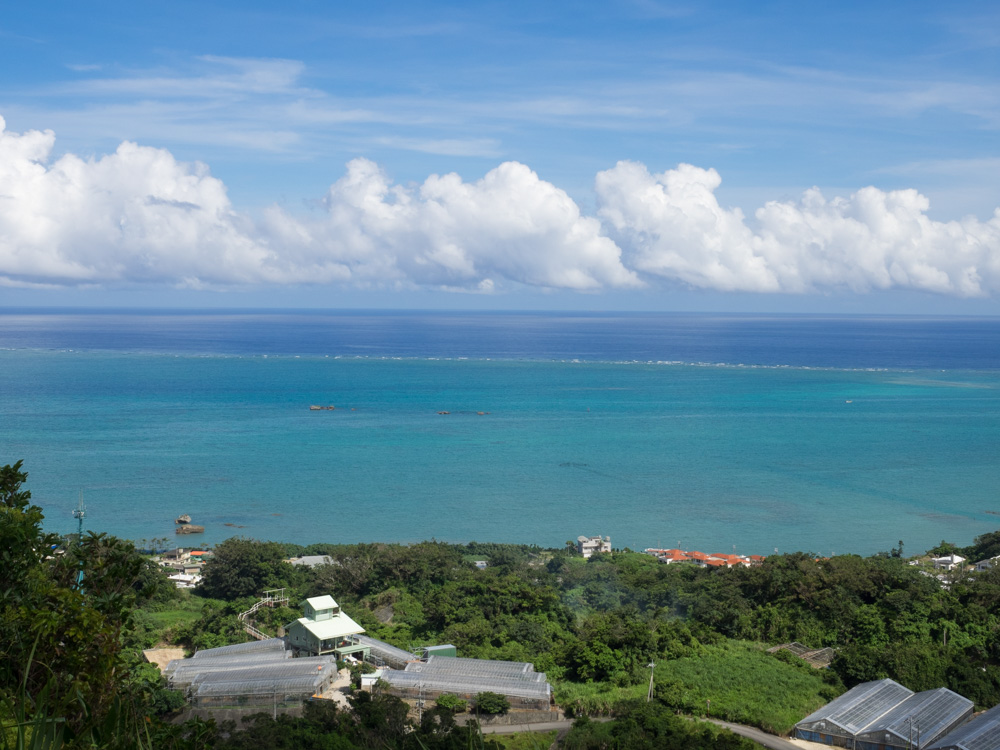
x=183, y=519
x=190, y=528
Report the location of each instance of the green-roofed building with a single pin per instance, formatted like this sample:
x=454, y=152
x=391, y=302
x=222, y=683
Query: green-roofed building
x=325, y=629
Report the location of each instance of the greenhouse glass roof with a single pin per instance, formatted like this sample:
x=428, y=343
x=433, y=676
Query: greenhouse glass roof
x=982, y=733
x=260, y=687
x=385, y=650
x=280, y=671
x=224, y=662
x=458, y=675
x=269, y=644
x=859, y=706
x=441, y=683
x=924, y=717
x=260, y=667
x=483, y=667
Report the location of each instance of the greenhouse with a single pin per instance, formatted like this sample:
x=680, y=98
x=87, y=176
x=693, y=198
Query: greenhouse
x=180, y=669
x=982, y=733
x=839, y=721
x=916, y=722
x=280, y=693
x=517, y=681
x=259, y=673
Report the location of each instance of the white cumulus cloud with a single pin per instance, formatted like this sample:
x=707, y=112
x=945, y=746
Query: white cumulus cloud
x=508, y=225
x=140, y=216
x=672, y=225
x=135, y=215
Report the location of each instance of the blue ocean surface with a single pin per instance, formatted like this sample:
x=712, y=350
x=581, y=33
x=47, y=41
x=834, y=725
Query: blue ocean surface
x=824, y=434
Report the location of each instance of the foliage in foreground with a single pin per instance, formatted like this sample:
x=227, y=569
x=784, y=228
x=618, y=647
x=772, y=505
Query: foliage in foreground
x=65, y=621
x=648, y=726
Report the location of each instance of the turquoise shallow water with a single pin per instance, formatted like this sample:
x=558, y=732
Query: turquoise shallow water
x=829, y=460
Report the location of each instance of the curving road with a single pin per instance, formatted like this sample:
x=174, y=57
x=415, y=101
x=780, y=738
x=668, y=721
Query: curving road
x=773, y=742
x=757, y=735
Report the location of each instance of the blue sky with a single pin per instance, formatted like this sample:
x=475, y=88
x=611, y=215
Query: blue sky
x=843, y=157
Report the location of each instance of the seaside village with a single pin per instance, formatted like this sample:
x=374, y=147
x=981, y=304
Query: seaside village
x=279, y=673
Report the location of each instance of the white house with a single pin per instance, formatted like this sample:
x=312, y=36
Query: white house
x=185, y=580
x=948, y=562
x=588, y=545
x=988, y=563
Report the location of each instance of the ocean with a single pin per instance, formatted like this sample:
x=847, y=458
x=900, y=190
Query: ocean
x=711, y=432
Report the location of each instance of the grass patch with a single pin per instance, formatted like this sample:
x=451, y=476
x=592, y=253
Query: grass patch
x=594, y=698
x=180, y=612
x=745, y=684
x=524, y=740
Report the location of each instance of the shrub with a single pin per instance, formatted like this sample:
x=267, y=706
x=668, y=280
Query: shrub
x=451, y=703
x=492, y=703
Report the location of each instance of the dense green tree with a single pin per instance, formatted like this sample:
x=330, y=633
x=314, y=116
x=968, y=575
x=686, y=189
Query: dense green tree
x=246, y=567
x=648, y=726
x=985, y=547
x=64, y=615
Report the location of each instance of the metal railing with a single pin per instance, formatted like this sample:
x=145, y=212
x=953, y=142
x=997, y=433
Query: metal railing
x=271, y=598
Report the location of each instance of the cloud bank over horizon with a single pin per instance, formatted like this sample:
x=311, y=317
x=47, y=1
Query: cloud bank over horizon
x=140, y=216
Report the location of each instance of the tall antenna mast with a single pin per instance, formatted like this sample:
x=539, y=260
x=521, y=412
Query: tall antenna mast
x=78, y=514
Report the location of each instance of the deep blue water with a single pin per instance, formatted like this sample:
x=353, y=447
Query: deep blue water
x=817, y=433
x=818, y=341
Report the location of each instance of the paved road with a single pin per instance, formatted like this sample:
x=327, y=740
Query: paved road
x=767, y=740
x=757, y=735
x=542, y=726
